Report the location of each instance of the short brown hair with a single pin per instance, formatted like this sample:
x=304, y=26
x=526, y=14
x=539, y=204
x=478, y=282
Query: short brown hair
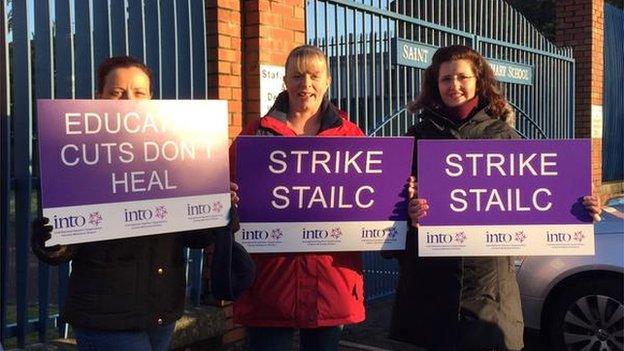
x=114, y=62
x=488, y=89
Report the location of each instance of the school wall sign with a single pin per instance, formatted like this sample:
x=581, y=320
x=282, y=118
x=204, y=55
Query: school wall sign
x=505, y=197
x=117, y=169
x=322, y=193
x=414, y=54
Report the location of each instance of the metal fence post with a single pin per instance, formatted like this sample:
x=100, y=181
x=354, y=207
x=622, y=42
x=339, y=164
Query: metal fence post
x=5, y=173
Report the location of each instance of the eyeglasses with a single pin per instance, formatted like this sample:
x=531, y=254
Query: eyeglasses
x=461, y=78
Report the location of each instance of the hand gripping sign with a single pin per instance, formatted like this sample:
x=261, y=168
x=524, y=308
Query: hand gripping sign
x=117, y=169
x=322, y=193
x=504, y=197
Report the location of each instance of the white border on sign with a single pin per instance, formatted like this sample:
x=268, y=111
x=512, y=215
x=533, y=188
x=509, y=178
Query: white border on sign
x=88, y=223
x=322, y=236
x=506, y=240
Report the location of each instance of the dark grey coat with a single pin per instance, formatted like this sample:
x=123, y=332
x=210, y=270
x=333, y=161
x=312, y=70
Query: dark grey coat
x=455, y=303
x=127, y=284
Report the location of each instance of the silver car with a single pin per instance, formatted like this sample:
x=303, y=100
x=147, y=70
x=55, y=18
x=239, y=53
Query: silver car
x=577, y=302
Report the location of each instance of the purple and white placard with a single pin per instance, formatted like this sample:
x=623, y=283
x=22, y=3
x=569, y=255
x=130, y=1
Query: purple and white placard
x=303, y=194
x=505, y=197
x=124, y=168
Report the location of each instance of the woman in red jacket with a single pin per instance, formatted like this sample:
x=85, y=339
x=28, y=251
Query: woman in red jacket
x=314, y=292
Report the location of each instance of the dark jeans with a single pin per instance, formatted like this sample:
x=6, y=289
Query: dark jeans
x=281, y=339
x=157, y=339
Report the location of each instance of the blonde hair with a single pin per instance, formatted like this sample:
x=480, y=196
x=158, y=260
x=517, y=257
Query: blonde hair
x=301, y=56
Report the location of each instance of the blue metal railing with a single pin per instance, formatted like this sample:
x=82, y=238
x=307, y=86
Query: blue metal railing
x=613, y=125
x=368, y=83
x=54, y=55
x=373, y=89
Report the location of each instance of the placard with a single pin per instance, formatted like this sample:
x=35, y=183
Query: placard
x=322, y=193
x=504, y=197
x=124, y=168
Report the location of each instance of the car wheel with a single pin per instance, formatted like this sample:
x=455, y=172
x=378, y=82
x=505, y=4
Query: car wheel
x=588, y=316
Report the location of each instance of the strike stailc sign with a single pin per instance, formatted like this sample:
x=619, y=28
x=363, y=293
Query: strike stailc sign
x=504, y=197
x=117, y=169
x=322, y=193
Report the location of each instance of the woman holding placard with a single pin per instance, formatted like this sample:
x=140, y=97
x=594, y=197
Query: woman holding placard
x=127, y=294
x=459, y=303
x=316, y=293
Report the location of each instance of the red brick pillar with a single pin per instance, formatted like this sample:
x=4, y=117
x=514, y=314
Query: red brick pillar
x=241, y=36
x=223, y=27
x=580, y=24
x=224, y=43
x=272, y=28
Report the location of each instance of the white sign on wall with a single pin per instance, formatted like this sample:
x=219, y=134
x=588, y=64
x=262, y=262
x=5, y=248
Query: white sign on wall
x=271, y=84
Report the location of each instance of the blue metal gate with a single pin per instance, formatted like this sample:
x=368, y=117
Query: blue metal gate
x=51, y=50
x=371, y=83
x=613, y=97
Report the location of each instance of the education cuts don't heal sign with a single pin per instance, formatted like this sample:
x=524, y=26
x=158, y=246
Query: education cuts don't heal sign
x=504, y=197
x=114, y=169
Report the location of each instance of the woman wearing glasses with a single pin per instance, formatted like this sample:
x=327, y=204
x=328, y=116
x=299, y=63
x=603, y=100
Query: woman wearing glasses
x=459, y=303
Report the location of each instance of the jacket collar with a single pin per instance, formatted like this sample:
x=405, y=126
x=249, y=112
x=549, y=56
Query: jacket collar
x=276, y=118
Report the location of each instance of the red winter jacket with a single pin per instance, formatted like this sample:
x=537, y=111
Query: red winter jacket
x=301, y=290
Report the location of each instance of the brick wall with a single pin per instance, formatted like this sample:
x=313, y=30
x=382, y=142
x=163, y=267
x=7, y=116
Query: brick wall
x=223, y=22
x=580, y=24
x=271, y=30
x=242, y=35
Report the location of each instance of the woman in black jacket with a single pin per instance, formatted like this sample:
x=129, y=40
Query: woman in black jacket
x=127, y=294
x=459, y=303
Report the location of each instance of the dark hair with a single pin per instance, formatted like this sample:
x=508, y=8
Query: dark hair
x=488, y=89
x=114, y=62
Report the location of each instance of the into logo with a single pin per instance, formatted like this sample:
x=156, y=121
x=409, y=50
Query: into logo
x=460, y=237
x=197, y=210
x=217, y=206
x=261, y=234
x=559, y=237
x=308, y=234
x=69, y=222
x=336, y=233
x=520, y=236
x=276, y=234
x=498, y=237
x=95, y=218
x=390, y=232
x=159, y=212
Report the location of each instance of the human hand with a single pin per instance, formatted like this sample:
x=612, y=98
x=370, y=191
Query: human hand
x=593, y=206
x=233, y=195
x=417, y=209
x=412, y=188
x=41, y=231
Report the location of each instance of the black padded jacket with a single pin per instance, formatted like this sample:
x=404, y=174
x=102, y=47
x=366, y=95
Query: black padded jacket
x=455, y=303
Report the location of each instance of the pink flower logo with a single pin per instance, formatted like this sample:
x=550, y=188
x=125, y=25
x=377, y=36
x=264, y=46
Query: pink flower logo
x=276, y=234
x=161, y=212
x=336, y=233
x=460, y=237
x=217, y=206
x=95, y=218
x=520, y=236
x=579, y=236
x=392, y=232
